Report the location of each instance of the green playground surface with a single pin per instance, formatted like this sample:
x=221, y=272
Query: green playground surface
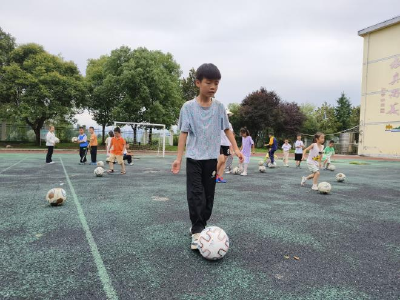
x=127, y=236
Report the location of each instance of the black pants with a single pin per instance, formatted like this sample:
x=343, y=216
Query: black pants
x=49, y=153
x=200, y=191
x=93, y=153
x=82, y=154
x=128, y=158
x=272, y=155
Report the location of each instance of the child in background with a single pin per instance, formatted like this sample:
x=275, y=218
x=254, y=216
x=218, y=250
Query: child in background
x=93, y=146
x=286, y=148
x=108, y=142
x=298, y=152
x=128, y=155
x=328, y=153
x=314, y=159
x=247, y=145
x=50, y=143
x=117, y=148
x=83, y=144
x=224, y=152
x=273, y=146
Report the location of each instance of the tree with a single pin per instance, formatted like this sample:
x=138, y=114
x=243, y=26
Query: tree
x=355, y=117
x=326, y=119
x=310, y=124
x=343, y=112
x=235, y=119
x=290, y=121
x=188, y=86
x=102, y=94
x=259, y=111
x=7, y=45
x=38, y=86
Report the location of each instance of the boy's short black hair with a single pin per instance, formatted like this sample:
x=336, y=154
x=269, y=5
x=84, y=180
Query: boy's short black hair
x=117, y=129
x=208, y=71
x=331, y=142
x=111, y=133
x=91, y=127
x=81, y=127
x=299, y=134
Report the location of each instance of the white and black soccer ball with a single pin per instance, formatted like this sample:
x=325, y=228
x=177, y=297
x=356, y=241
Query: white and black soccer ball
x=261, y=163
x=74, y=139
x=262, y=169
x=340, y=177
x=213, y=243
x=99, y=171
x=236, y=171
x=331, y=167
x=57, y=140
x=324, y=188
x=100, y=164
x=56, y=196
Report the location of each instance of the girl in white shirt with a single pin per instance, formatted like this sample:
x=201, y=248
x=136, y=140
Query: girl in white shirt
x=108, y=142
x=314, y=159
x=51, y=141
x=286, y=148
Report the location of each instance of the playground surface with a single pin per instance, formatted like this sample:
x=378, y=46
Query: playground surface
x=127, y=236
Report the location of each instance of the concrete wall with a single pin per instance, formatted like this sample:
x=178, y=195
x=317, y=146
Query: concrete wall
x=380, y=101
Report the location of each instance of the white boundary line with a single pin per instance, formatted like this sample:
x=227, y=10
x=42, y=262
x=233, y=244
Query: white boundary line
x=13, y=165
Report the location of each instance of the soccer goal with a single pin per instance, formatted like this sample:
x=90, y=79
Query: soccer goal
x=144, y=134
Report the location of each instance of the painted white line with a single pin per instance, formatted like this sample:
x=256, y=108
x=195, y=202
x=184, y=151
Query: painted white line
x=12, y=165
x=101, y=269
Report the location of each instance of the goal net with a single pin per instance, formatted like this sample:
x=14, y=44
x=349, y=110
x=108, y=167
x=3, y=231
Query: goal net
x=144, y=136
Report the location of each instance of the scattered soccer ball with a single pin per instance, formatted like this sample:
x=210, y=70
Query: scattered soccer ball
x=261, y=163
x=99, y=171
x=236, y=171
x=213, y=243
x=272, y=165
x=340, y=177
x=56, y=196
x=331, y=167
x=100, y=164
x=262, y=169
x=324, y=188
x=57, y=140
x=74, y=139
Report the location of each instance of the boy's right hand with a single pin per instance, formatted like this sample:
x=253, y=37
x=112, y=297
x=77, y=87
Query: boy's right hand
x=176, y=167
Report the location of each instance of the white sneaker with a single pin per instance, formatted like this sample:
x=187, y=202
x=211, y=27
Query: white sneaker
x=228, y=172
x=314, y=187
x=131, y=164
x=244, y=174
x=303, y=180
x=50, y=163
x=195, y=241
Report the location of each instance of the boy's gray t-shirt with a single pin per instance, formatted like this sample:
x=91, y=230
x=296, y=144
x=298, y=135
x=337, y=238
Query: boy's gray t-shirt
x=203, y=125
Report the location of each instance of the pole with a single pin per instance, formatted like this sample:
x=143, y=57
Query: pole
x=163, y=151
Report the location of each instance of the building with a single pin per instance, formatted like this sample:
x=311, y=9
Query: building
x=380, y=93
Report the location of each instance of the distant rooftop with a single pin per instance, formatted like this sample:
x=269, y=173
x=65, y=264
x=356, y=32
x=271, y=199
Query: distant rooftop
x=379, y=26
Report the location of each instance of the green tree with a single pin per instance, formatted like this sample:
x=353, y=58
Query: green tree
x=188, y=86
x=38, y=86
x=343, y=112
x=326, y=119
x=310, y=124
x=7, y=45
x=355, y=116
x=290, y=121
x=235, y=119
x=102, y=94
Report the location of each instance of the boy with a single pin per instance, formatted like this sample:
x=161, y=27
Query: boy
x=328, y=153
x=93, y=146
x=50, y=143
x=128, y=155
x=273, y=146
x=224, y=152
x=286, y=148
x=202, y=119
x=83, y=144
x=298, y=152
x=117, y=148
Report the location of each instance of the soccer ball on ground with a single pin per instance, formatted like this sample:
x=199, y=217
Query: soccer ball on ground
x=236, y=171
x=262, y=169
x=324, y=188
x=56, y=196
x=213, y=243
x=261, y=163
x=340, y=177
x=74, y=139
x=100, y=164
x=99, y=171
x=331, y=167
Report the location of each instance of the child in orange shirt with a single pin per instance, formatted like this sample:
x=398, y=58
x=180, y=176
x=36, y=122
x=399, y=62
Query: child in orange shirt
x=93, y=146
x=116, y=149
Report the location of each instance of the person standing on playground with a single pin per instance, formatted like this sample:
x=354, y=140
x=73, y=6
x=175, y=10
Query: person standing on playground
x=286, y=148
x=224, y=152
x=93, y=146
x=273, y=146
x=50, y=143
x=200, y=122
x=298, y=152
x=246, y=149
x=83, y=144
x=314, y=159
x=117, y=149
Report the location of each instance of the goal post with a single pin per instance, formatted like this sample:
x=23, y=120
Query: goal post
x=161, y=127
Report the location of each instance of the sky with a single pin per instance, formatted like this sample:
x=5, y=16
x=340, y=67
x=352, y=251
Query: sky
x=306, y=51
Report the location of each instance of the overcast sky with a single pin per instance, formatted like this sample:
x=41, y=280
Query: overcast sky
x=307, y=51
